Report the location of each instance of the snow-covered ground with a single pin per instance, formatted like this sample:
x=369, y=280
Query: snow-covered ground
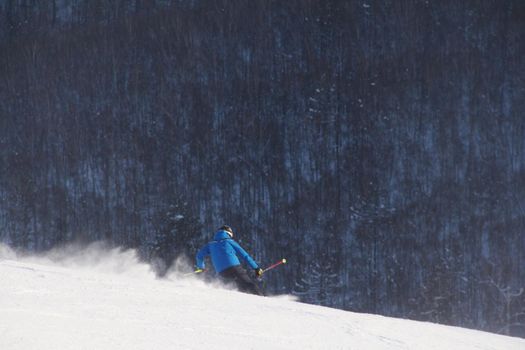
x=105, y=299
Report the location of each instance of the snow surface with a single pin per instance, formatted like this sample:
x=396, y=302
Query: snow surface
x=105, y=299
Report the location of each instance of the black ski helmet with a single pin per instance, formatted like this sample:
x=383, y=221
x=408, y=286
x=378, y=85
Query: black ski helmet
x=228, y=229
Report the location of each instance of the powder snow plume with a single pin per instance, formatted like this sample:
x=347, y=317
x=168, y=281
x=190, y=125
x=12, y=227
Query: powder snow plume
x=96, y=257
x=102, y=258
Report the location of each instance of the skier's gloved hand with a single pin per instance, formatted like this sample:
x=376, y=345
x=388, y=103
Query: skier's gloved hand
x=258, y=272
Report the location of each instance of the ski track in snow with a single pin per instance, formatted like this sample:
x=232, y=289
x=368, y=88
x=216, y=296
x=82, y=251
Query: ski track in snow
x=45, y=305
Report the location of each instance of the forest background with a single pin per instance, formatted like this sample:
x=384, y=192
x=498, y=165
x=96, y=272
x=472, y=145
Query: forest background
x=378, y=145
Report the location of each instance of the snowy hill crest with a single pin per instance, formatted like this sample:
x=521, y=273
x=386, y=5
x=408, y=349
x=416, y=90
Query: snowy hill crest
x=106, y=299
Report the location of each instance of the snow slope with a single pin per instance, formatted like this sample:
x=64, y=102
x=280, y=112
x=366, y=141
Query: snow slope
x=95, y=299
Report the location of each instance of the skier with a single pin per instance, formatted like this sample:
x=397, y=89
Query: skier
x=224, y=253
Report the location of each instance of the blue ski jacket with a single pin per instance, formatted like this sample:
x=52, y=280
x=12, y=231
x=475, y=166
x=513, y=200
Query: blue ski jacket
x=224, y=253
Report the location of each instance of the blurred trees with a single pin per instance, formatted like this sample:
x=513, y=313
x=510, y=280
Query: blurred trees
x=378, y=146
x=178, y=234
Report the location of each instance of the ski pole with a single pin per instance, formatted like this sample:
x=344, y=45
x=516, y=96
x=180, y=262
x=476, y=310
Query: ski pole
x=280, y=262
x=196, y=272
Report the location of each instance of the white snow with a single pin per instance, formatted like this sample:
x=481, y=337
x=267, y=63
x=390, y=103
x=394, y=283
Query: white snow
x=108, y=300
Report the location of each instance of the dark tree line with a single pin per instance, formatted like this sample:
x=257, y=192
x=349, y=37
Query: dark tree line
x=378, y=145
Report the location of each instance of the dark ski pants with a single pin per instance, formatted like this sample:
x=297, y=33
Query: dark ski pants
x=239, y=276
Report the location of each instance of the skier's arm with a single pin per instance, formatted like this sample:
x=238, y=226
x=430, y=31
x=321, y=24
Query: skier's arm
x=249, y=260
x=201, y=254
